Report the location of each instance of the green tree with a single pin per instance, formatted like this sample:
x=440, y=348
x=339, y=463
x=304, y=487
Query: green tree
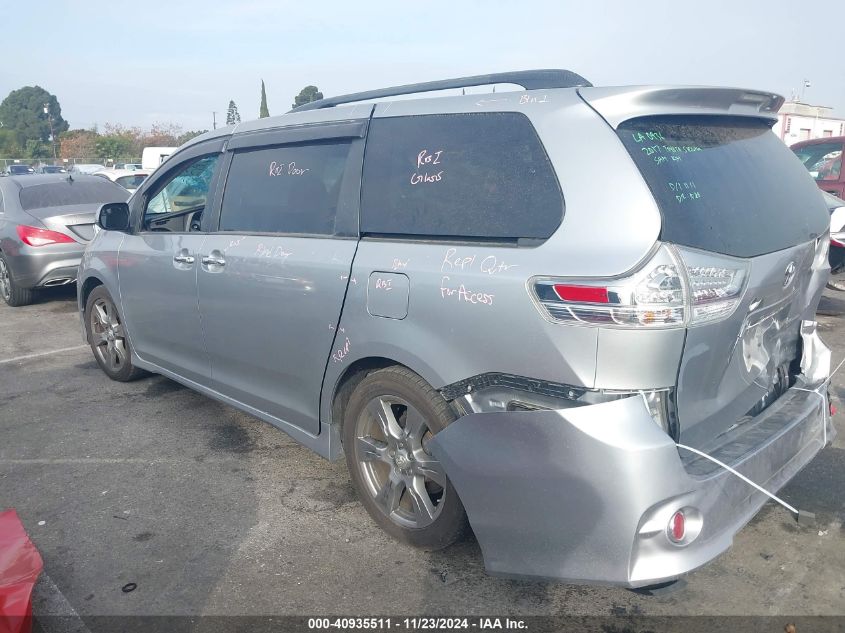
x=37, y=149
x=9, y=147
x=307, y=95
x=187, y=136
x=22, y=112
x=263, y=112
x=112, y=146
x=232, y=114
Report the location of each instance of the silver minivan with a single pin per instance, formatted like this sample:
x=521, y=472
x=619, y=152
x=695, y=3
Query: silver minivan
x=567, y=317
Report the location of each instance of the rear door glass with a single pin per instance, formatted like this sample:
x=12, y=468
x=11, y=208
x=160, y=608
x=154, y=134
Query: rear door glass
x=288, y=189
x=725, y=184
x=461, y=176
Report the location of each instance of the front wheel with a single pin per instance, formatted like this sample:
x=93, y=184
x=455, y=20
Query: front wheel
x=107, y=337
x=387, y=425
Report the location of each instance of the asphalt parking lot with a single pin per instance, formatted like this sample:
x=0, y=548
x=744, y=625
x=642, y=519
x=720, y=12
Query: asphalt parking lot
x=210, y=511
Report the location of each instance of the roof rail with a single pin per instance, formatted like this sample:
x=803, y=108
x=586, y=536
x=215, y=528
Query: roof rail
x=528, y=79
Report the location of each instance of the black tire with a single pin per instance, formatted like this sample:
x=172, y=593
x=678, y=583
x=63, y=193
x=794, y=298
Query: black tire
x=394, y=474
x=11, y=292
x=107, y=337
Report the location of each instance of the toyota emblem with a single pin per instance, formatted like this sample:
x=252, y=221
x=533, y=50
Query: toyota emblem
x=789, y=274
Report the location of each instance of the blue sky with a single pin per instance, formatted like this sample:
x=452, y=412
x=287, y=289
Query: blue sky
x=148, y=61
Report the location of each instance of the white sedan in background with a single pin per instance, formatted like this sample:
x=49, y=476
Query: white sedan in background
x=129, y=179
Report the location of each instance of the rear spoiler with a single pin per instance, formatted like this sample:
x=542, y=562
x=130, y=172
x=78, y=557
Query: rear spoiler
x=616, y=105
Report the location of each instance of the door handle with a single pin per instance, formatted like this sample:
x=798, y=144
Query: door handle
x=183, y=259
x=211, y=260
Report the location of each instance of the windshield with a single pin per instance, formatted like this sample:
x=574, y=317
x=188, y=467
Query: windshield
x=725, y=184
x=21, y=169
x=131, y=182
x=822, y=160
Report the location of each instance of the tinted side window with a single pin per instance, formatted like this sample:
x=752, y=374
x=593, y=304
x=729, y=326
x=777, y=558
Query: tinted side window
x=480, y=175
x=290, y=189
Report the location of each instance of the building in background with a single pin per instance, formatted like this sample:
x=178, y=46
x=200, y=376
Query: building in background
x=801, y=122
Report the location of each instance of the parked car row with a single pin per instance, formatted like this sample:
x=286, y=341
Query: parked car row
x=490, y=335
x=77, y=168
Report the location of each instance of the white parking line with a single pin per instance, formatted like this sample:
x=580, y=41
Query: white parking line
x=55, y=351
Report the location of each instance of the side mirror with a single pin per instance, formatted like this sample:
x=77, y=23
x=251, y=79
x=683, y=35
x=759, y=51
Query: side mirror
x=113, y=216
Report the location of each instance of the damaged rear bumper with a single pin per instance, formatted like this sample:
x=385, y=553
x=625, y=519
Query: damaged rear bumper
x=586, y=494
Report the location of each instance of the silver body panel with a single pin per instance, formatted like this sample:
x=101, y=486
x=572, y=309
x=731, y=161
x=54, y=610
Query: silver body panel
x=751, y=344
x=586, y=493
x=159, y=298
x=269, y=316
x=277, y=327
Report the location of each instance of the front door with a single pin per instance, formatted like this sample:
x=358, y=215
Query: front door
x=272, y=279
x=158, y=269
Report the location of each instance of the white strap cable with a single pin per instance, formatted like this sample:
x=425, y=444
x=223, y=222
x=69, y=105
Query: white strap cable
x=825, y=404
x=816, y=391
x=741, y=476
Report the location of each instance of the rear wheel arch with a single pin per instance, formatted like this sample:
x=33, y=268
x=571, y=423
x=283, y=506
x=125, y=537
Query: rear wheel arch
x=358, y=370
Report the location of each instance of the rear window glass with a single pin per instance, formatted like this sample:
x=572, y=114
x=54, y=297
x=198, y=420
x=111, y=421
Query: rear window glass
x=461, y=176
x=725, y=184
x=64, y=193
x=131, y=182
x=290, y=189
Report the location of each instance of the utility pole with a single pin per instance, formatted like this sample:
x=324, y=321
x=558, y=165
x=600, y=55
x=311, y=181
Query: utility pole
x=50, y=121
x=214, y=120
x=804, y=86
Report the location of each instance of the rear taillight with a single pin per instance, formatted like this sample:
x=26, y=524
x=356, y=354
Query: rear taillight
x=675, y=288
x=34, y=236
x=716, y=283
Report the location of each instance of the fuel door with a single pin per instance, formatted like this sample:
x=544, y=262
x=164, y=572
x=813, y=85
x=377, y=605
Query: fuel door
x=387, y=295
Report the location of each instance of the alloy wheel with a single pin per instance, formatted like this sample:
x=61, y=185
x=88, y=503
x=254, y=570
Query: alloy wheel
x=5, y=281
x=108, y=335
x=406, y=481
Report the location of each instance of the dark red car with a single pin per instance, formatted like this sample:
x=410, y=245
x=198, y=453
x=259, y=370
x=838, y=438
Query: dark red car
x=823, y=158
